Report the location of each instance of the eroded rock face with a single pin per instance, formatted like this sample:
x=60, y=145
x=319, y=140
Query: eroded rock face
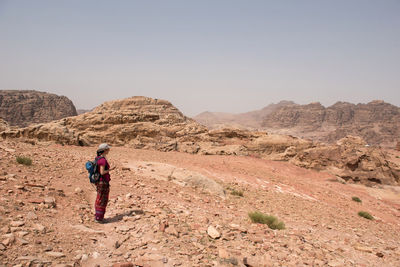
x=376, y=122
x=22, y=108
x=139, y=122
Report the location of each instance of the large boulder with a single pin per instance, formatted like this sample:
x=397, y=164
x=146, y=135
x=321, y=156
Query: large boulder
x=22, y=108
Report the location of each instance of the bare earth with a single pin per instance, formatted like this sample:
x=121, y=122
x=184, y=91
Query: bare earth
x=46, y=212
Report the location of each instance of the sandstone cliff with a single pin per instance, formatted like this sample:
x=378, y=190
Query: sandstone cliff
x=377, y=122
x=22, y=108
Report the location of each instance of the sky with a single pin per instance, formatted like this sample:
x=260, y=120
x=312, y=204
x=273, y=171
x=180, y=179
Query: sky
x=221, y=55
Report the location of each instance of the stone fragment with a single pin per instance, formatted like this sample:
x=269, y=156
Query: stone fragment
x=363, y=249
x=54, y=254
x=78, y=190
x=23, y=241
x=124, y=264
x=17, y=223
x=223, y=254
x=2, y=247
x=31, y=216
x=50, y=201
x=172, y=231
x=213, y=233
x=40, y=228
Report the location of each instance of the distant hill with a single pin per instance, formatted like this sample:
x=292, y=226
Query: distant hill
x=81, y=111
x=248, y=120
x=377, y=122
x=25, y=107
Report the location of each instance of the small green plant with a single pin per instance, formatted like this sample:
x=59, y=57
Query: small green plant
x=24, y=160
x=237, y=192
x=356, y=199
x=270, y=220
x=365, y=215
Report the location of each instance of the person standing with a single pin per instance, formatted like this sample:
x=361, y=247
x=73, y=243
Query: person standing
x=103, y=186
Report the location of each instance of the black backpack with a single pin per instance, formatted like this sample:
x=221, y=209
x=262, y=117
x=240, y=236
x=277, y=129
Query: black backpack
x=92, y=168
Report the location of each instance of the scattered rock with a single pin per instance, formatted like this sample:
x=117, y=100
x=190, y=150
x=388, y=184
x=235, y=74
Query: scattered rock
x=78, y=190
x=213, y=233
x=17, y=223
x=363, y=249
x=31, y=216
x=50, y=201
x=172, y=231
x=40, y=228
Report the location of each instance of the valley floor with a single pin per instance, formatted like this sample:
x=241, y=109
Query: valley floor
x=46, y=212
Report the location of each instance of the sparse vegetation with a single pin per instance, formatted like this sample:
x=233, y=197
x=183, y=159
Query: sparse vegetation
x=270, y=220
x=24, y=160
x=237, y=192
x=365, y=215
x=356, y=199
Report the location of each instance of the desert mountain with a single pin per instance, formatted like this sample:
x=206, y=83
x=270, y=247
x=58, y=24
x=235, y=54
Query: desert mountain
x=146, y=123
x=377, y=122
x=248, y=120
x=22, y=108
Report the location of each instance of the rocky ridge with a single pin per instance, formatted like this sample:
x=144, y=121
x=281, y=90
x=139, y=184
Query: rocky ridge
x=145, y=123
x=25, y=107
x=377, y=122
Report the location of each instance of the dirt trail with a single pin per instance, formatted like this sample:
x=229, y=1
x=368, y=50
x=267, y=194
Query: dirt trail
x=154, y=222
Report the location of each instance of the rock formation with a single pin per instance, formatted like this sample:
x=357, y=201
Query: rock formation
x=139, y=122
x=142, y=122
x=22, y=108
x=376, y=122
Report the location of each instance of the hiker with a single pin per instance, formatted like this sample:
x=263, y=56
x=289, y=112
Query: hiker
x=103, y=186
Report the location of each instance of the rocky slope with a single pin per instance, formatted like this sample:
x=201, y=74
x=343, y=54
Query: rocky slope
x=158, y=219
x=23, y=107
x=146, y=123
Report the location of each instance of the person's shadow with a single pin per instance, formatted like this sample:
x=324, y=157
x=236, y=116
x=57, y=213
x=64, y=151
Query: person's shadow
x=119, y=217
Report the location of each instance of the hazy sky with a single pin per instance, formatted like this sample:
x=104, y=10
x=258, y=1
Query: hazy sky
x=232, y=56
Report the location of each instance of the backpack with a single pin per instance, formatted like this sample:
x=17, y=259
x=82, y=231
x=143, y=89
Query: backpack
x=93, y=170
